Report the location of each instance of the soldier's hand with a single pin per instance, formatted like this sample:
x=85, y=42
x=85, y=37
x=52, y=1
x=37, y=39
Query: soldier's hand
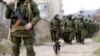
x=28, y=26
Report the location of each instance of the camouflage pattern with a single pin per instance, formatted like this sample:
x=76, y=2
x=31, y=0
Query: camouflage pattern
x=19, y=32
x=87, y=28
x=81, y=30
x=68, y=29
x=76, y=28
x=55, y=28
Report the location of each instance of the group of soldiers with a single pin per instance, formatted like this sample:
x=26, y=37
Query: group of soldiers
x=69, y=28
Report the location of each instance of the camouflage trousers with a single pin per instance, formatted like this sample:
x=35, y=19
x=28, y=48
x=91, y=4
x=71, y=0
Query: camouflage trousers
x=28, y=42
x=81, y=36
x=68, y=37
x=55, y=35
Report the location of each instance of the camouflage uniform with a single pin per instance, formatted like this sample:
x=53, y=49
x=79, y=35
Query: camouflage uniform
x=76, y=29
x=81, y=30
x=55, y=28
x=63, y=36
x=20, y=33
x=90, y=28
x=68, y=29
x=87, y=28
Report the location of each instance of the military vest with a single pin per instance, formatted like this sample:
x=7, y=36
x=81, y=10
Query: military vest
x=55, y=24
x=69, y=25
x=81, y=25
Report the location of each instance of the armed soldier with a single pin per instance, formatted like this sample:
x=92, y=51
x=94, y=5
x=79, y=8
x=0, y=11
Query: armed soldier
x=30, y=13
x=55, y=28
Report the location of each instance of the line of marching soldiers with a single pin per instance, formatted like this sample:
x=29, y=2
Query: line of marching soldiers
x=69, y=28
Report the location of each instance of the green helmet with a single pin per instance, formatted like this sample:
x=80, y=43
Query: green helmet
x=69, y=17
x=56, y=16
x=86, y=19
x=21, y=1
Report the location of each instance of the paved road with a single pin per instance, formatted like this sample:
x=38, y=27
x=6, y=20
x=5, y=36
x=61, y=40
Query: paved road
x=66, y=50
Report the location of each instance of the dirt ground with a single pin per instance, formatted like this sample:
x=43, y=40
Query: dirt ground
x=66, y=50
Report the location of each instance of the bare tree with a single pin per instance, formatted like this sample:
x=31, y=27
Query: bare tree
x=96, y=17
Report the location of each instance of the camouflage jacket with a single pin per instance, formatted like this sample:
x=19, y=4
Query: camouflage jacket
x=68, y=25
x=55, y=24
x=23, y=10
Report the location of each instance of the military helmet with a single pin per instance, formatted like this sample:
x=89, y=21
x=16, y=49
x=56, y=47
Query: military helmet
x=69, y=15
x=21, y=0
x=89, y=20
x=56, y=16
x=86, y=19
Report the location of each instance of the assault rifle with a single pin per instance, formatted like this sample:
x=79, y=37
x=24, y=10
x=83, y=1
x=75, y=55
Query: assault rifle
x=31, y=32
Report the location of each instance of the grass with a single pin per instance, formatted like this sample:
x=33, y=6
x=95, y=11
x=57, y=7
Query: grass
x=97, y=37
x=43, y=40
x=2, y=48
x=97, y=52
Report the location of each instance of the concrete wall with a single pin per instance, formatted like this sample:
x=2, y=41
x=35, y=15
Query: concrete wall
x=41, y=1
x=54, y=7
x=43, y=27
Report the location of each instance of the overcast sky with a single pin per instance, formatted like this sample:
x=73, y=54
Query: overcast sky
x=72, y=6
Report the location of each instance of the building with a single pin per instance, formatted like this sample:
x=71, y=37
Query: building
x=48, y=8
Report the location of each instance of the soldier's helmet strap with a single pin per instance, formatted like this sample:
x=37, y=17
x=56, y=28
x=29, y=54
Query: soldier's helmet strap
x=30, y=12
x=29, y=9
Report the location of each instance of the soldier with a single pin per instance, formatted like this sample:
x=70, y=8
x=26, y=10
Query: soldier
x=63, y=36
x=76, y=29
x=97, y=25
x=90, y=29
x=29, y=11
x=87, y=27
x=68, y=28
x=81, y=30
x=55, y=28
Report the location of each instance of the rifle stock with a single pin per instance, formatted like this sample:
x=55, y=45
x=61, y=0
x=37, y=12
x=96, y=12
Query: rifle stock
x=17, y=23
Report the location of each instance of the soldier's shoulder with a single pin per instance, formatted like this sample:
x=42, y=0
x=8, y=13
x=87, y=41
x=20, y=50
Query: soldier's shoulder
x=33, y=3
x=11, y=4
